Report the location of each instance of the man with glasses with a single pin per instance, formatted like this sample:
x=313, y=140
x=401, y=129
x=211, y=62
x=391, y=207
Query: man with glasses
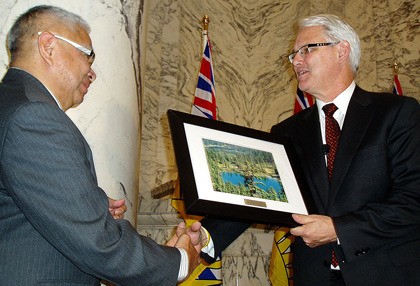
x=56, y=224
x=90, y=54
x=360, y=152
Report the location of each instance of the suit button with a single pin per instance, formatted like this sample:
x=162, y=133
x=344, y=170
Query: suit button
x=366, y=250
x=362, y=251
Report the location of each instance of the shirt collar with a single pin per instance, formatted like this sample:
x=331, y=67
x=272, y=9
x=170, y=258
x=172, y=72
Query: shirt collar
x=56, y=100
x=341, y=101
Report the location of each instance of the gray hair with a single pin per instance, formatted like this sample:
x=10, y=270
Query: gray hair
x=37, y=19
x=337, y=29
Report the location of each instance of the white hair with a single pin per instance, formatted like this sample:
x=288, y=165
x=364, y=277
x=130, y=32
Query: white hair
x=337, y=29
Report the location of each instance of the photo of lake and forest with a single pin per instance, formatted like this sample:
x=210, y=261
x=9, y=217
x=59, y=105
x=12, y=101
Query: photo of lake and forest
x=243, y=171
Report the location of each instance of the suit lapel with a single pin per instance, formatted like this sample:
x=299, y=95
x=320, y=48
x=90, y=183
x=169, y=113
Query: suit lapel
x=314, y=160
x=356, y=123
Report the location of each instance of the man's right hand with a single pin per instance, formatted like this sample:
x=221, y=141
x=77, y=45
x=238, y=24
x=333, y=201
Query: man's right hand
x=184, y=242
x=195, y=231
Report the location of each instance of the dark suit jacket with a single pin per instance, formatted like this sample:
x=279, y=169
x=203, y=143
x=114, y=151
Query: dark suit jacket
x=374, y=195
x=55, y=227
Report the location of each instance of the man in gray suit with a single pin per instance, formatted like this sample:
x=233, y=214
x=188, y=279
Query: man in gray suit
x=55, y=226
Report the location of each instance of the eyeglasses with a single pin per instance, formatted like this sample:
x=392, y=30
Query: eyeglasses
x=90, y=54
x=308, y=48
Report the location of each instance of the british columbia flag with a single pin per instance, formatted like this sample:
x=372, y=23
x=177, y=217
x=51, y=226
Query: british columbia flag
x=397, y=90
x=205, y=106
x=303, y=100
x=205, y=97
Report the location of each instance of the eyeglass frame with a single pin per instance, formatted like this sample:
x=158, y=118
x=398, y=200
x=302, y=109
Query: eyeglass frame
x=89, y=53
x=308, y=49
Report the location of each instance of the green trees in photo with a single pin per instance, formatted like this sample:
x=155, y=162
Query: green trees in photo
x=251, y=164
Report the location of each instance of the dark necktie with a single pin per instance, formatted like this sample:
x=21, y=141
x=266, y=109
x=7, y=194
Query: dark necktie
x=332, y=135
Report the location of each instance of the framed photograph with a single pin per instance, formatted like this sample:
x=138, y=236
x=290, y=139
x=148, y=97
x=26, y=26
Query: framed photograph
x=237, y=172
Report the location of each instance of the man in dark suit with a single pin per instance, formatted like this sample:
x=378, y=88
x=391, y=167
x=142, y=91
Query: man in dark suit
x=55, y=226
x=369, y=202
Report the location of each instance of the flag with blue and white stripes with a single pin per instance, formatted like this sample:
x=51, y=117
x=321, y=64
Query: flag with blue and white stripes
x=205, y=97
x=303, y=100
x=397, y=90
x=204, y=106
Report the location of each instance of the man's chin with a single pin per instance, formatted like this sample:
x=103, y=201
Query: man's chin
x=302, y=87
x=77, y=101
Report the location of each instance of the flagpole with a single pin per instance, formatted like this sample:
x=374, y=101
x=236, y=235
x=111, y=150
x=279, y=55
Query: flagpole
x=206, y=22
x=205, y=98
x=395, y=67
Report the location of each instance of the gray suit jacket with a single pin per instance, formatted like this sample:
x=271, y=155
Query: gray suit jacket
x=55, y=227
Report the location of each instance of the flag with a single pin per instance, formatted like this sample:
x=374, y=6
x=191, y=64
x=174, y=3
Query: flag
x=203, y=274
x=397, y=90
x=204, y=105
x=205, y=99
x=303, y=100
x=281, y=271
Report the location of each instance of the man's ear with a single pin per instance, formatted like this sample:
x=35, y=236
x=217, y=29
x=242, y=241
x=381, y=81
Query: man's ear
x=343, y=50
x=46, y=45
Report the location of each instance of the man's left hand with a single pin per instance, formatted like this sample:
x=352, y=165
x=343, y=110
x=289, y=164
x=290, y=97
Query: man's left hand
x=315, y=230
x=117, y=208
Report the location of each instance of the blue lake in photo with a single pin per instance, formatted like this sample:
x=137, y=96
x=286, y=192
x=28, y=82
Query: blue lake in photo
x=265, y=183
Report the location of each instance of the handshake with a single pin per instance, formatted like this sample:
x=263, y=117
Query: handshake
x=191, y=239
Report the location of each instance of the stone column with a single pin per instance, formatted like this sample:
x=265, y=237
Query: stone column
x=109, y=115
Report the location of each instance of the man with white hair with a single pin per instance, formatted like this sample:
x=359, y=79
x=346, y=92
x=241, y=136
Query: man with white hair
x=360, y=153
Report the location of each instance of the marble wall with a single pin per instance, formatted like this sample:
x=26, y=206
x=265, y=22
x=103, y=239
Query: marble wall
x=254, y=81
x=109, y=116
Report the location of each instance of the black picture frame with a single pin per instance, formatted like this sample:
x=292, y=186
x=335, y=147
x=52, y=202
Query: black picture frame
x=212, y=156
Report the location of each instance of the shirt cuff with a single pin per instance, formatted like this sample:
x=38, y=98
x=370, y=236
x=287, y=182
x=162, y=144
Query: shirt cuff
x=209, y=247
x=183, y=268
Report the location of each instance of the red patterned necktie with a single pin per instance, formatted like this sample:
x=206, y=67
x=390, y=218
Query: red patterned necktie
x=332, y=135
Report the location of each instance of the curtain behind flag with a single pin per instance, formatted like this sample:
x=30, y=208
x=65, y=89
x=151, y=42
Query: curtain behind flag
x=204, y=105
x=281, y=271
